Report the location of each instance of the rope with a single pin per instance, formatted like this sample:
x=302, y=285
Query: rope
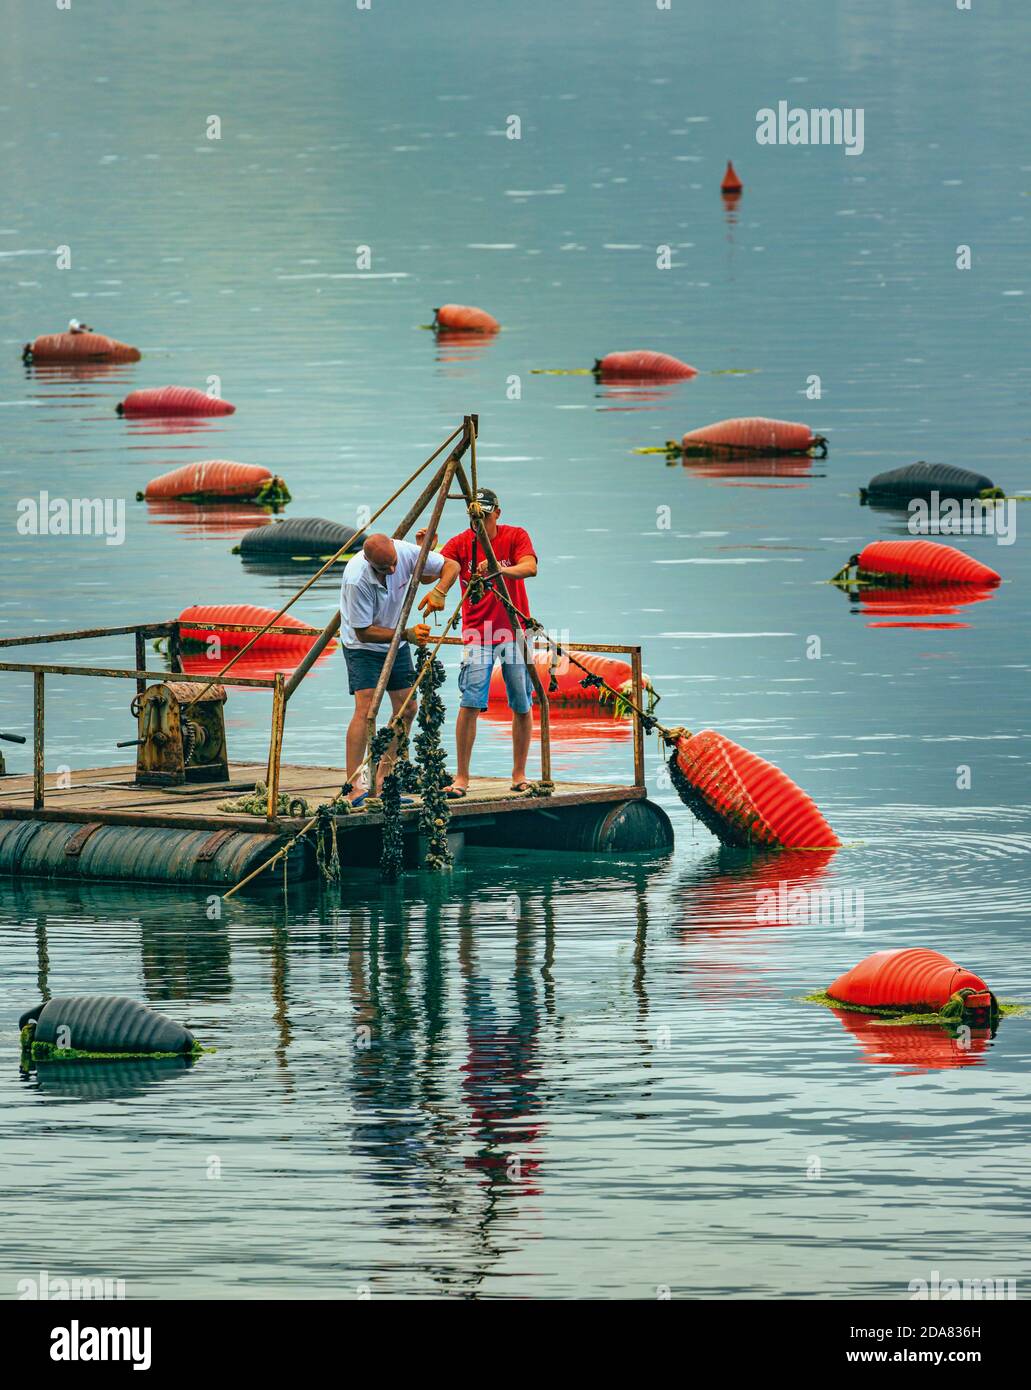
x=318, y=573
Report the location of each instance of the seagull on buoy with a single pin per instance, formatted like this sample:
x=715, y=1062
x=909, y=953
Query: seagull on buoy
x=74, y=326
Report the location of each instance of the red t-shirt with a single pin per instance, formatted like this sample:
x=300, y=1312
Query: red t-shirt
x=487, y=621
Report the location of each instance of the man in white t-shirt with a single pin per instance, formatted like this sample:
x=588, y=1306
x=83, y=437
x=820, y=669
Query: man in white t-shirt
x=371, y=597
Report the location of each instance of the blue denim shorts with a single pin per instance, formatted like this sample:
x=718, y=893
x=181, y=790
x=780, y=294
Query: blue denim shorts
x=363, y=668
x=475, y=673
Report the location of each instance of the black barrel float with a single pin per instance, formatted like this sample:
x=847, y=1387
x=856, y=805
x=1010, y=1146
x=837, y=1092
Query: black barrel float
x=102, y=1024
x=300, y=538
x=899, y=486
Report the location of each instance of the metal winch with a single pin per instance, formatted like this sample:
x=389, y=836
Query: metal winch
x=182, y=735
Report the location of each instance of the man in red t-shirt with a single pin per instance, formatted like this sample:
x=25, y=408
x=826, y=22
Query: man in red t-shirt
x=488, y=634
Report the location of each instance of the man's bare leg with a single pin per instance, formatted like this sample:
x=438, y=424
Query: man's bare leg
x=465, y=737
x=357, y=742
x=397, y=698
x=522, y=732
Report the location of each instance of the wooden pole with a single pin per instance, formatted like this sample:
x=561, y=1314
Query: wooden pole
x=535, y=680
x=638, y=683
x=452, y=464
x=333, y=626
x=37, y=740
x=141, y=661
x=175, y=646
x=275, y=751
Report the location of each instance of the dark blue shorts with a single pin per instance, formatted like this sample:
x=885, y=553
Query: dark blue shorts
x=363, y=668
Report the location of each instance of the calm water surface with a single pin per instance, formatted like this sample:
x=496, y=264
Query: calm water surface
x=582, y=1077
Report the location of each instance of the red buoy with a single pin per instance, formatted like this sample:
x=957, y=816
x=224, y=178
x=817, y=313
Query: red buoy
x=173, y=400
x=731, y=183
x=753, y=434
x=567, y=679
x=912, y=978
x=922, y=562
x=464, y=318
x=203, y=620
x=642, y=365
x=79, y=347
x=743, y=799
x=216, y=479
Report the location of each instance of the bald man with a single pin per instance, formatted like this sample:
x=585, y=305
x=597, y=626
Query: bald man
x=371, y=597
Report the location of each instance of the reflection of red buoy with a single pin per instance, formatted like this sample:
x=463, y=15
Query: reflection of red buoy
x=913, y=978
x=914, y=1047
x=922, y=562
x=173, y=400
x=743, y=799
x=751, y=435
x=642, y=365
x=464, y=318
x=731, y=183
x=215, y=479
x=908, y=607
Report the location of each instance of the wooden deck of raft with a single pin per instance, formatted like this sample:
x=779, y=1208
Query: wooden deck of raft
x=109, y=796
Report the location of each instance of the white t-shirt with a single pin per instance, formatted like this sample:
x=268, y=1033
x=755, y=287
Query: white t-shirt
x=370, y=600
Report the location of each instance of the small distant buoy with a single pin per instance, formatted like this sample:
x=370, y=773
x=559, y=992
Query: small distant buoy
x=899, y=486
x=97, y=1023
x=751, y=435
x=567, y=679
x=173, y=400
x=464, y=318
x=642, y=365
x=202, y=621
x=731, y=183
x=217, y=480
x=79, y=347
x=915, y=979
x=918, y=562
x=744, y=800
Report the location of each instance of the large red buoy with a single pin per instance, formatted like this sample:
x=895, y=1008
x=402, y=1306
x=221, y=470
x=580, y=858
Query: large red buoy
x=464, y=318
x=79, y=347
x=922, y=562
x=642, y=365
x=218, y=480
x=751, y=435
x=567, y=677
x=204, y=620
x=173, y=400
x=731, y=183
x=743, y=799
x=912, y=978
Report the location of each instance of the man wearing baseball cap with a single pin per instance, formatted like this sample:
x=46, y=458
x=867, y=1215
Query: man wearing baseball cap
x=487, y=631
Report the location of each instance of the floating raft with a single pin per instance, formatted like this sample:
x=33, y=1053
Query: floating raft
x=911, y=979
x=750, y=436
x=464, y=318
x=217, y=480
x=642, y=365
x=301, y=538
x=920, y=562
x=165, y=401
x=899, y=486
x=78, y=347
x=106, y=827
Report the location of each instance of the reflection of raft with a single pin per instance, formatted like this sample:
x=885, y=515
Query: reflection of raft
x=79, y=347
x=899, y=486
x=642, y=365
x=567, y=679
x=218, y=480
x=919, y=562
x=301, y=538
x=743, y=799
x=906, y=606
x=750, y=435
x=173, y=400
x=915, y=1046
x=203, y=620
x=912, y=980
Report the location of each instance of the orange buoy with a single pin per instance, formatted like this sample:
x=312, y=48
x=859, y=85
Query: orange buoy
x=563, y=684
x=751, y=435
x=173, y=400
x=921, y=562
x=78, y=347
x=911, y=978
x=731, y=183
x=743, y=799
x=204, y=620
x=642, y=365
x=464, y=318
x=217, y=480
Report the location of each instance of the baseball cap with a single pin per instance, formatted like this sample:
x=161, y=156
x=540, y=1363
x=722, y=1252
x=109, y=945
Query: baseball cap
x=487, y=499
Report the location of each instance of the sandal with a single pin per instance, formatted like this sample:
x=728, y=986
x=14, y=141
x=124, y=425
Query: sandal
x=455, y=793
x=521, y=787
